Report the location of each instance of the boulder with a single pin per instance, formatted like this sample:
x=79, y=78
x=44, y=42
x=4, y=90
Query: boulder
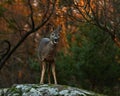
x=45, y=90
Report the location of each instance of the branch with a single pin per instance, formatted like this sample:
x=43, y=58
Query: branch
x=103, y=14
x=6, y=57
x=5, y=51
x=47, y=10
x=31, y=14
x=47, y=18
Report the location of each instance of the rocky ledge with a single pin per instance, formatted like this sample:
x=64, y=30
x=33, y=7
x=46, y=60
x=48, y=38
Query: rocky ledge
x=44, y=90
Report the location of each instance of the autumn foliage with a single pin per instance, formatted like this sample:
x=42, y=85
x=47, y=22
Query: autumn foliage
x=24, y=22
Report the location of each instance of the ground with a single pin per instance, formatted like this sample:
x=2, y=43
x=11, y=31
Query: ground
x=45, y=90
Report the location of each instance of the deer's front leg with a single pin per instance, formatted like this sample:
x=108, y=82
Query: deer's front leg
x=43, y=72
x=49, y=73
x=54, y=72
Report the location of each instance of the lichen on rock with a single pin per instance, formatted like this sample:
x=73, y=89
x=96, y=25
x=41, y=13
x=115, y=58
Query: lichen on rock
x=45, y=90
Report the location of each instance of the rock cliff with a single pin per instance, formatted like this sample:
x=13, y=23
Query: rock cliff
x=44, y=90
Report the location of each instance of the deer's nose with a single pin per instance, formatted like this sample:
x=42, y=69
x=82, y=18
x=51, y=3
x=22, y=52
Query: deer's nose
x=56, y=39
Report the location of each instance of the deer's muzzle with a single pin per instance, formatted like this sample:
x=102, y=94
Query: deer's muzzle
x=56, y=40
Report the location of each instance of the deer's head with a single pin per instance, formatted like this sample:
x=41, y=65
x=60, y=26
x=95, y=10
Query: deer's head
x=55, y=35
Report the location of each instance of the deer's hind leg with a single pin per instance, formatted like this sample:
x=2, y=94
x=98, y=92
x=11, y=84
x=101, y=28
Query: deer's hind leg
x=54, y=72
x=43, y=67
x=49, y=73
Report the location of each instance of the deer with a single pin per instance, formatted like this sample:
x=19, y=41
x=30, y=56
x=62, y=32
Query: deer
x=47, y=50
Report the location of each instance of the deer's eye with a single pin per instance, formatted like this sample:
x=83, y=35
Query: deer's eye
x=53, y=34
x=58, y=35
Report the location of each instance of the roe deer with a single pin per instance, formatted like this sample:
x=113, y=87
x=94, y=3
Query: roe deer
x=47, y=51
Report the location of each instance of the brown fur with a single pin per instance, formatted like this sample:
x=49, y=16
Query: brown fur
x=47, y=50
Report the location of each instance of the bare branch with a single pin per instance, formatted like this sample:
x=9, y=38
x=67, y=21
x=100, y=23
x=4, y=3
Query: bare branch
x=31, y=14
x=41, y=24
x=5, y=50
x=47, y=9
x=47, y=17
x=80, y=9
x=101, y=13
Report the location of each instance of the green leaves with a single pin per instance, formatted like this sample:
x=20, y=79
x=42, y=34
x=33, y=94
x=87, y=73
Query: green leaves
x=9, y=1
x=93, y=63
x=2, y=10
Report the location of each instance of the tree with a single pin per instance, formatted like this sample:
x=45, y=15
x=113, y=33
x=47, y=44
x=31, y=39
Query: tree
x=98, y=60
x=29, y=20
x=92, y=62
x=102, y=13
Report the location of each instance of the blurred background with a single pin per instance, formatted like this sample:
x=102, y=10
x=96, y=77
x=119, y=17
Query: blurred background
x=88, y=54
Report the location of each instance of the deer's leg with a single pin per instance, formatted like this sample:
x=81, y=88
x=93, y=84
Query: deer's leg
x=49, y=73
x=42, y=72
x=54, y=72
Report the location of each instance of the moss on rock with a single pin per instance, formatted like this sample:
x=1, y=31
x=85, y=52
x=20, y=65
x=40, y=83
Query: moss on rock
x=45, y=90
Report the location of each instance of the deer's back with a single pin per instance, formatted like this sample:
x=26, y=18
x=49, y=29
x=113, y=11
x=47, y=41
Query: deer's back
x=46, y=50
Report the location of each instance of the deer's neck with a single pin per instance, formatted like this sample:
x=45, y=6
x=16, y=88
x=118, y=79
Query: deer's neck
x=51, y=44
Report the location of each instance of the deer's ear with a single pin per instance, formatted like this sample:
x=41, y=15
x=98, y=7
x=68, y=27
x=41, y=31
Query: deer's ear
x=59, y=28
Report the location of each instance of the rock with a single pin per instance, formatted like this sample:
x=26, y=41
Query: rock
x=45, y=90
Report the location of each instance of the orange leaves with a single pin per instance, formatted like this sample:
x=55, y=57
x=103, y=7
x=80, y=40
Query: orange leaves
x=117, y=41
x=20, y=73
x=61, y=20
x=19, y=8
x=64, y=42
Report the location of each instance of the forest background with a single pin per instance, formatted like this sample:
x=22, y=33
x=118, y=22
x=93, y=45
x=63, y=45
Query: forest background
x=89, y=50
